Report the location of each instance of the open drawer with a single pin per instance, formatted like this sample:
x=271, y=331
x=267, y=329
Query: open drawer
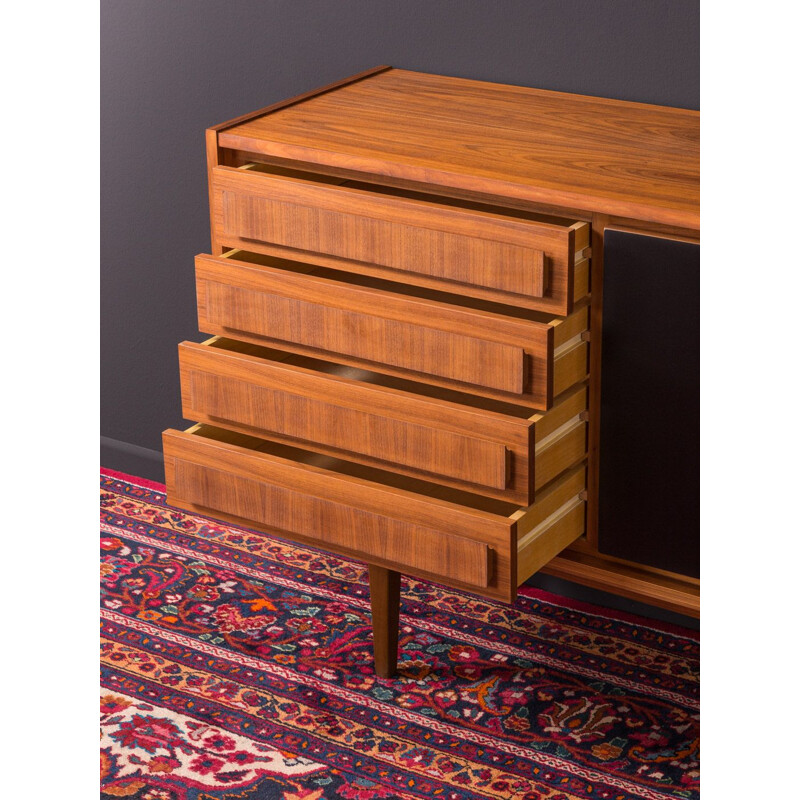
x=502, y=254
x=397, y=522
x=454, y=342
x=465, y=441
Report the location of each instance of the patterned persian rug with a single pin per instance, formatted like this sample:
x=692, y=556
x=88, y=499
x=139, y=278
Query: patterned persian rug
x=239, y=666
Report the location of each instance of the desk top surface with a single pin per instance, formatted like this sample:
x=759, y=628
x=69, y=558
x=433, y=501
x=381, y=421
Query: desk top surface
x=583, y=153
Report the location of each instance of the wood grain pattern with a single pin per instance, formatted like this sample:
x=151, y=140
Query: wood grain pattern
x=673, y=592
x=261, y=484
x=556, y=520
x=377, y=535
x=399, y=344
x=605, y=156
x=336, y=412
x=363, y=236
x=599, y=223
x=384, y=596
x=455, y=346
x=568, y=485
x=216, y=156
x=566, y=406
x=346, y=177
x=298, y=98
x=459, y=444
x=408, y=279
x=584, y=547
x=570, y=365
x=546, y=542
x=212, y=161
x=352, y=187
x=385, y=525
x=561, y=450
x=568, y=330
x=581, y=279
x=299, y=417
x=498, y=252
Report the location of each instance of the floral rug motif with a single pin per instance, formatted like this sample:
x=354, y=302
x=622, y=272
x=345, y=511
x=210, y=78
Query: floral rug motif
x=236, y=665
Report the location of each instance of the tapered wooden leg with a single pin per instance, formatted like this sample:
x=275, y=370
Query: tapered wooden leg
x=384, y=592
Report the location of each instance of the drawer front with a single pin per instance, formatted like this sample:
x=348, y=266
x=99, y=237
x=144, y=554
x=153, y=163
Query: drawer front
x=381, y=524
x=493, y=253
x=357, y=419
x=462, y=348
x=271, y=408
x=305, y=402
x=367, y=336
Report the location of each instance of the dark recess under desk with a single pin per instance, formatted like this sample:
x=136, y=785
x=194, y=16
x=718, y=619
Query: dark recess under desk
x=649, y=499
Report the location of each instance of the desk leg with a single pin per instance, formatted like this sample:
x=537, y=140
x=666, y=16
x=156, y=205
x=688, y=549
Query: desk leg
x=384, y=592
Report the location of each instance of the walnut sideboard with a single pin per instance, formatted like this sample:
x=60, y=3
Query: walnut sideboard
x=405, y=293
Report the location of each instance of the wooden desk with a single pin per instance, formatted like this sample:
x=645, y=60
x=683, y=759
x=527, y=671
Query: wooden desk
x=406, y=297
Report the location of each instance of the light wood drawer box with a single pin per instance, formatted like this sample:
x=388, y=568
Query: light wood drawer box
x=497, y=253
x=391, y=520
x=467, y=442
x=522, y=357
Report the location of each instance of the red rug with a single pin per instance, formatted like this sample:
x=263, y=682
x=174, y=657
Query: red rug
x=239, y=666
